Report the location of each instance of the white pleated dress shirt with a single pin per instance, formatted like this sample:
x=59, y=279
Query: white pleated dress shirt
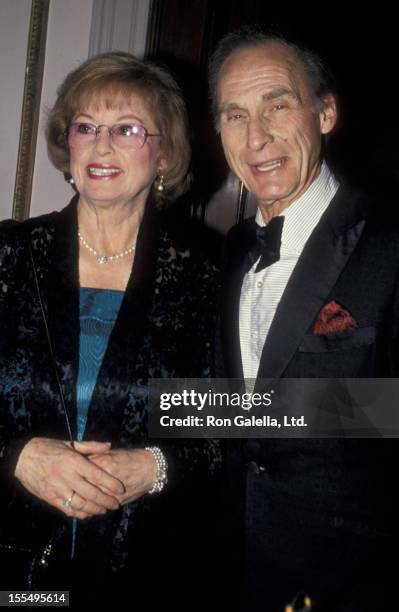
x=261, y=292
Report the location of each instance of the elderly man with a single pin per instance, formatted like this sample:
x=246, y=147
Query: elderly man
x=311, y=290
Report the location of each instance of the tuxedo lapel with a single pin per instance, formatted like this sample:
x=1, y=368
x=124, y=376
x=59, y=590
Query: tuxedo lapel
x=240, y=241
x=322, y=260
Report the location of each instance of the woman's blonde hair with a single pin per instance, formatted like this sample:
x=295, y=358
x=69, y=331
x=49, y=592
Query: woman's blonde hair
x=108, y=78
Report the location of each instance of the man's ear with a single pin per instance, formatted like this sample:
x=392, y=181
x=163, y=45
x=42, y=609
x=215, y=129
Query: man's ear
x=328, y=114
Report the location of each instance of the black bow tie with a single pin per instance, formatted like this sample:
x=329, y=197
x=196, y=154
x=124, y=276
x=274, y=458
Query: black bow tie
x=267, y=246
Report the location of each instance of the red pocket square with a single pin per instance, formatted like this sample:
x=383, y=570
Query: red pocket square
x=334, y=318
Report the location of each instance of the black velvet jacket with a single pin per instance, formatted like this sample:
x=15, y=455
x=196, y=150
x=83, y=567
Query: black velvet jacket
x=162, y=330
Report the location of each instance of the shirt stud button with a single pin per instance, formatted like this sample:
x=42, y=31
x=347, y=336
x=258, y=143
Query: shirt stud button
x=259, y=284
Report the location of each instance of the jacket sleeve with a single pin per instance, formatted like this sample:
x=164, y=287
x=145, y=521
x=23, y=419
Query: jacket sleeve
x=11, y=245
x=196, y=460
x=394, y=346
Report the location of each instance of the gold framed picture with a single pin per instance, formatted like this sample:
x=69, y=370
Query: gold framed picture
x=30, y=108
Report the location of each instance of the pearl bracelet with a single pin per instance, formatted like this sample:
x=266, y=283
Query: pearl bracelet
x=161, y=477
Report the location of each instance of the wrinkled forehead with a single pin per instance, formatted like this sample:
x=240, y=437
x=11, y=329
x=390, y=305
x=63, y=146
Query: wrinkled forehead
x=264, y=65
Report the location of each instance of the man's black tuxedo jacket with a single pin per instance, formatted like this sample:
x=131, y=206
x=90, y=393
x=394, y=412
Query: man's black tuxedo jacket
x=318, y=515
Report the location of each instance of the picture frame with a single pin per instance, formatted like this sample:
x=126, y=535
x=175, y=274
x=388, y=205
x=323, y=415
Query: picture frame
x=30, y=108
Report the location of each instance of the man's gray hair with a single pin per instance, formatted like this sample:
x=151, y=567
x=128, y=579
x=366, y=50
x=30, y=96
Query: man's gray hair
x=320, y=77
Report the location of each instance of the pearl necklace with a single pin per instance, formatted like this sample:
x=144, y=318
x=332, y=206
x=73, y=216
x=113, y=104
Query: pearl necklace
x=103, y=259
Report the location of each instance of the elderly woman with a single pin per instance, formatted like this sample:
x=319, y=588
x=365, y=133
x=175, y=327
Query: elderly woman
x=94, y=300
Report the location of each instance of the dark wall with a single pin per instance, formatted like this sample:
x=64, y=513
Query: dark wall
x=360, y=48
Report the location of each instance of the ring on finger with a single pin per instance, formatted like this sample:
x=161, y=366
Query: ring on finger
x=67, y=503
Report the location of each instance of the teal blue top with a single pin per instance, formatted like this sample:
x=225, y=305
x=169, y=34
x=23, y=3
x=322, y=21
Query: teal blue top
x=98, y=312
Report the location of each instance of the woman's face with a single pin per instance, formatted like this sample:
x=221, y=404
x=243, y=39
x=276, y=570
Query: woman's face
x=106, y=174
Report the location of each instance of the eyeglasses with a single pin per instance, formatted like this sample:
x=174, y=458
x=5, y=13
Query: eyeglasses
x=124, y=135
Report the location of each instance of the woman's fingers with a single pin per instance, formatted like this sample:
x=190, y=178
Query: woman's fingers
x=75, y=506
x=70, y=511
x=98, y=477
x=52, y=470
x=81, y=508
x=95, y=496
x=136, y=468
x=89, y=448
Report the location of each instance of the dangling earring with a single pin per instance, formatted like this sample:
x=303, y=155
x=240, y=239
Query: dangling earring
x=161, y=182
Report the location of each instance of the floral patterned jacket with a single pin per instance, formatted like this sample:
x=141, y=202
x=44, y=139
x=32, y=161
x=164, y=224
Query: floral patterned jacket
x=164, y=329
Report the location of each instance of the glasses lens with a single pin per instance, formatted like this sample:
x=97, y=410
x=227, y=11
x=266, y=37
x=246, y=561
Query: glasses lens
x=124, y=135
x=129, y=136
x=81, y=133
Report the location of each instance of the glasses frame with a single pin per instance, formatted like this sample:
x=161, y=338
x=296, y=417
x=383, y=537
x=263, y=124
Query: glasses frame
x=111, y=132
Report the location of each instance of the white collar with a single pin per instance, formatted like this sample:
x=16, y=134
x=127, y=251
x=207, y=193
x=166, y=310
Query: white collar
x=302, y=216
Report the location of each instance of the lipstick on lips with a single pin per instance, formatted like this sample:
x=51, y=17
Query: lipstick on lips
x=104, y=172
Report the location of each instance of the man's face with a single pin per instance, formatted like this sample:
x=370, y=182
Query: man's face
x=270, y=123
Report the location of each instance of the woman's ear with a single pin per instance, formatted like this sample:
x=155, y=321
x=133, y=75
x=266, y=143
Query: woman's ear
x=162, y=165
